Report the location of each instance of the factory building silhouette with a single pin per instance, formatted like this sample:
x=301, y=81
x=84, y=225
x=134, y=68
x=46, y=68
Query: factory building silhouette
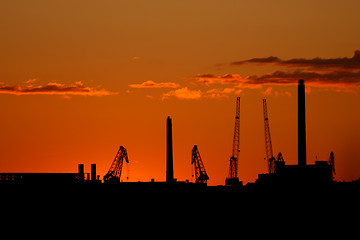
x=302, y=173
x=281, y=174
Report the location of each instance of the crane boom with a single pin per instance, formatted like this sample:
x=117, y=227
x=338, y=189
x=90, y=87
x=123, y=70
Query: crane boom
x=200, y=173
x=114, y=173
x=268, y=145
x=233, y=170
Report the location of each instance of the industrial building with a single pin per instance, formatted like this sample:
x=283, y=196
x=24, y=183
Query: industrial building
x=51, y=178
x=319, y=173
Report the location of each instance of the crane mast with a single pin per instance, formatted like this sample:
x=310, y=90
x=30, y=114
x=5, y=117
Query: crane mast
x=114, y=173
x=268, y=145
x=233, y=170
x=200, y=173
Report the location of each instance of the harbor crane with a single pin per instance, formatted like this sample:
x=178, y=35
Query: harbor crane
x=114, y=173
x=233, y=179
x=268, y=145
x=200, y=173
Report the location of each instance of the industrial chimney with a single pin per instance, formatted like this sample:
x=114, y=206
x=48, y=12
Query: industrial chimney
x=169, y=152
x=301, y=125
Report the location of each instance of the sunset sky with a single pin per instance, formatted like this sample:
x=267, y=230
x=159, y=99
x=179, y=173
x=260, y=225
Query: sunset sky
x=80, y=78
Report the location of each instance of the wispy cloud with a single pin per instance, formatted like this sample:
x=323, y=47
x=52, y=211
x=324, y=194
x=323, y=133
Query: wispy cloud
x=53, y=88
x=221, y=93
x=183, y=93
x=209, y=79
x=314, y=63
x=187, y=94
x=321, y=72
x=151, y=84
x=340, y=74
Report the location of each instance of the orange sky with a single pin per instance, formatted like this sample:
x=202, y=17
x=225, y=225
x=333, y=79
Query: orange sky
x=80, y=78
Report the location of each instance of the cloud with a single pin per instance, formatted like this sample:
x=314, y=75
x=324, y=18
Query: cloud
x=208, y=79
x=183, y=93
x=151, y=84
x=338, y=78
x=312, y=78
x=341, y=74
x=31, y=81
x=187, y=94
x=226, y=79
x=53, y=89
x=268, y=91
x=321, y=72
x=314, y=63
x=270, y=59
x=220, y=93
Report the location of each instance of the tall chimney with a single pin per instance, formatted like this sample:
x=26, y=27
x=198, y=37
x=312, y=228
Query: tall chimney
x=169, y=152
x=93, y=172
x=301, y=125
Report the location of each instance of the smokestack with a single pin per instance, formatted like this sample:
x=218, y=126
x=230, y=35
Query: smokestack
x=169, y=152
x=93, y=172
x=301, y=125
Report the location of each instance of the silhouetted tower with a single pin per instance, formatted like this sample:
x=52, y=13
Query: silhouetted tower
x=233, y=171
x=200, y=173
x=268, y=145
x=93, y=172
x=331, y=162
x=169, y=152
x=301, y=125
x=114, y=173
x=81, y=172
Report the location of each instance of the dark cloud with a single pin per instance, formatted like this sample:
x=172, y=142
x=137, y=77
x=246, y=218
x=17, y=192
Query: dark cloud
x=270, y=59
x=54, y=89
x=315, y=63
x=333, y=78
x=338, y=78
x=209, y=79
x=205, y=75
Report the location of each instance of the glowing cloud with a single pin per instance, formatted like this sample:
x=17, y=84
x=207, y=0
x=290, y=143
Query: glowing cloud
x=183, y=93
x=151, y=84
x=53, y=89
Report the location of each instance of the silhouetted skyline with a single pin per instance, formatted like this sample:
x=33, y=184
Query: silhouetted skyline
x=79, y=80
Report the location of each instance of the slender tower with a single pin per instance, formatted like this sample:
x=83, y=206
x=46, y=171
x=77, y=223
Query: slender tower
x=301, y=125
x=233, y=170
x=169, y=152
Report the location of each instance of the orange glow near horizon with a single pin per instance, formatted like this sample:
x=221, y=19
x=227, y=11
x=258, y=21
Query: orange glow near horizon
x=78, y=80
